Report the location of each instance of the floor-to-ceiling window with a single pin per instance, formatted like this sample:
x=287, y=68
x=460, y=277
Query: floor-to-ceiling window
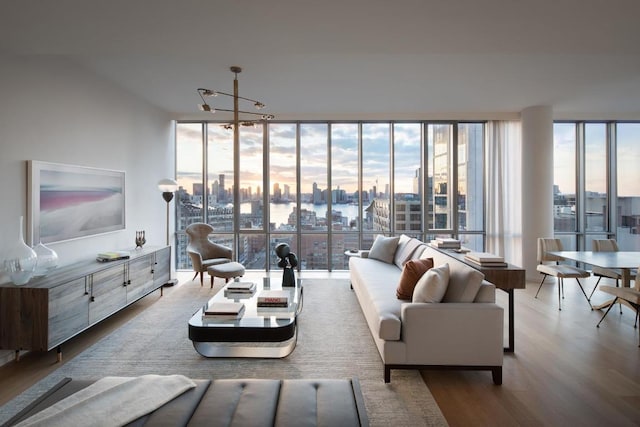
x=596, y=185
x=627, y=177
x=325, y=187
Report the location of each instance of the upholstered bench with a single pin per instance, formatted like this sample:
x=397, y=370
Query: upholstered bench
x=242, y=402
x=227, y=270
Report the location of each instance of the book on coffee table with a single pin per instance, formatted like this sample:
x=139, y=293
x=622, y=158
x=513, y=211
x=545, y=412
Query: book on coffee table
x=230, y=309
x=241, y=287
x=273, y=298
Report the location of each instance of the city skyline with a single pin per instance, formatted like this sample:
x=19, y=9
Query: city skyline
x=344, y=155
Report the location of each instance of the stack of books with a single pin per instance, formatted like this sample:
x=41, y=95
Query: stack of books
x=485, y=259
x=273, y=298
x=223, y=310
x=112, y=256
x=445, y=243
x=241, y=288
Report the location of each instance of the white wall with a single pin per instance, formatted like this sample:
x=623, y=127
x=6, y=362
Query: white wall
x=53, y=110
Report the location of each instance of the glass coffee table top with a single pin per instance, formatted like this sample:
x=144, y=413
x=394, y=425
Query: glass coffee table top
x=255, y=331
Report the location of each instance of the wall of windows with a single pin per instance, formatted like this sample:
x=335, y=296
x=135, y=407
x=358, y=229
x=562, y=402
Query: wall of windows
x=325, y=187
x=597, y=183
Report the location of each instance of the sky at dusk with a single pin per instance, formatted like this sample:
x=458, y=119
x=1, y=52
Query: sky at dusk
x=376, y=139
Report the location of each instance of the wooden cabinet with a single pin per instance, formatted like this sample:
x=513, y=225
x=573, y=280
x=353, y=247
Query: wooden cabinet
x=139, y=277
x=68, y=311
x=49, y=310
x=108, y=292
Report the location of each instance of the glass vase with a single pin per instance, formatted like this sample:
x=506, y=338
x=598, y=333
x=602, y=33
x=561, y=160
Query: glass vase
x=21, y=260
x=47, y=259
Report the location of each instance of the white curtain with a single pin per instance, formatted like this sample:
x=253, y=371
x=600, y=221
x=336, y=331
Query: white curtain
x=504, y=189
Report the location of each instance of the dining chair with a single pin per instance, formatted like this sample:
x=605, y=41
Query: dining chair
x=627, y=296
x=549, y=265
x=202, y=251
x=605, y=245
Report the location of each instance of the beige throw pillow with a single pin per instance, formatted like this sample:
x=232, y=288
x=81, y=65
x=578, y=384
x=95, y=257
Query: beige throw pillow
x=412, y=271
x=405, y=250
x=432, y=285
x=384, y=248
x=464, y=285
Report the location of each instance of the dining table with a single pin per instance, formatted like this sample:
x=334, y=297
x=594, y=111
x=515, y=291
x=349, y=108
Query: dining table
x=624, y=261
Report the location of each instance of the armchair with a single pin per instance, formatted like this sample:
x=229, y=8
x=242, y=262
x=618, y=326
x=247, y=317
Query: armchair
x=204, y=253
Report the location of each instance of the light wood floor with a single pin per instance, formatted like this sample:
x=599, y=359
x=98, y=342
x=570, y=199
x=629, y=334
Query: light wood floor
x=564, y=372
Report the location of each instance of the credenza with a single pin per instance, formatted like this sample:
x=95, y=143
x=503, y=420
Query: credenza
x=50, y=310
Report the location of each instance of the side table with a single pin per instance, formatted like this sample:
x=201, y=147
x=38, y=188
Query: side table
x=356, y=253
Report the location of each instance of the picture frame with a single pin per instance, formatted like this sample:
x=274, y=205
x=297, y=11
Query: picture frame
x=67, y=202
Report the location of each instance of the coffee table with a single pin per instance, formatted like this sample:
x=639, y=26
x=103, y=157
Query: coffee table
x=262, y=332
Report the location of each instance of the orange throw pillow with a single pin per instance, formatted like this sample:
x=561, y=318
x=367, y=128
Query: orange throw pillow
x=411, y=273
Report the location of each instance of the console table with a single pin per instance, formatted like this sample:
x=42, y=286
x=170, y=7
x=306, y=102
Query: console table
x=507, y=279
x=50, y=310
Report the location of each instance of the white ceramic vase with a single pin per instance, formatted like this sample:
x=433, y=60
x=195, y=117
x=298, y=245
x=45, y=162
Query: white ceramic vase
x=21, y=260
x=47, y=259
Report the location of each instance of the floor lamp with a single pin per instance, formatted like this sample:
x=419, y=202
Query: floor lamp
x=168, y=187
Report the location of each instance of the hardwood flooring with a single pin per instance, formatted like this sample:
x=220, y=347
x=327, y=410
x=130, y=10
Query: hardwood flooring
x=564, y=372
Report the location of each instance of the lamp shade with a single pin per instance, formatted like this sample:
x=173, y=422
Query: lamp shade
x=167, y=185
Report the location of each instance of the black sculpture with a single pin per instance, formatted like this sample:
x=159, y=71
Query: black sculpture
x=288, y=261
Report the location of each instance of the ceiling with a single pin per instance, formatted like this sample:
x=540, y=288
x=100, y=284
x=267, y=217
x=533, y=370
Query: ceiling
x=350, y=58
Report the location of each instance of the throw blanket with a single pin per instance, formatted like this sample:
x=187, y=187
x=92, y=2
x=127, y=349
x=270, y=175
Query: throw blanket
x=112, y=401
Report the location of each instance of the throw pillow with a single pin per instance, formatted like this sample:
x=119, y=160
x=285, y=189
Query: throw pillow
x=464, y=285
x=384, y=248
x=412, y=271
x=432, y=285
x=405, y=250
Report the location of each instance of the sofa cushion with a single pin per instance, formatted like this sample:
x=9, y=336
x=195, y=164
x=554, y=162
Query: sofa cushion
x=406, y=247
x=463, y=285
x=384, y=248
x=412, y=271
x=375, y=282
x=432, y=285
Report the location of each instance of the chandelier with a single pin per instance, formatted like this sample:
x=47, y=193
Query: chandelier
x=256, y=117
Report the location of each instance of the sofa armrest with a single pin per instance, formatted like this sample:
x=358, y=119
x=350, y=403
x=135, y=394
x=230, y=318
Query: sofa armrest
x=453, y=333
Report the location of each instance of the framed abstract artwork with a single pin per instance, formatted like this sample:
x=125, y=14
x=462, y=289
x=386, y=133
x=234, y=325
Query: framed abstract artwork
x=68, y=202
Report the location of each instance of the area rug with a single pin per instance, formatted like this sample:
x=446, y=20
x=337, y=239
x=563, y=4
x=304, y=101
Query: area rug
x=333, y=342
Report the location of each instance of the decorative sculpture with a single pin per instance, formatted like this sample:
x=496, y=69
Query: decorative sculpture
x=140, y=239
x=288, y=261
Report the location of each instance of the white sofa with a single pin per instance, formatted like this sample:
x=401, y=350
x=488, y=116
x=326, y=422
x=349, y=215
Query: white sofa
x=413, y=335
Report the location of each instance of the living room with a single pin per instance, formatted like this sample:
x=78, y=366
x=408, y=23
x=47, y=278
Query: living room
x=64, y=101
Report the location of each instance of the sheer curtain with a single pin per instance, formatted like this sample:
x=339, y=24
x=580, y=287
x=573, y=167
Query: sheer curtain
x=504, y=189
